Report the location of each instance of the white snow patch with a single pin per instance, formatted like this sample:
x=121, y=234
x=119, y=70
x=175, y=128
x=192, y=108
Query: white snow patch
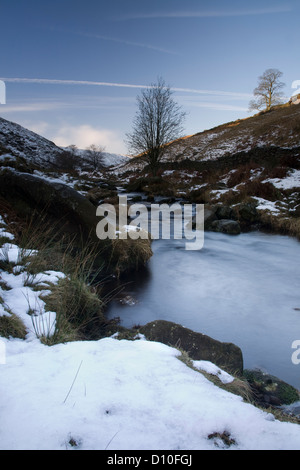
x=211, y=368
x=289, y=182
x=264, y=204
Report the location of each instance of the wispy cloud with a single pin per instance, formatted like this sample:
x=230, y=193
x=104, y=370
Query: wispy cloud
x=218, y=106
x=30, y=107
x=208, y=13
x=130, y=43
x=52, y=81
x=232, y=94
x=84, y=135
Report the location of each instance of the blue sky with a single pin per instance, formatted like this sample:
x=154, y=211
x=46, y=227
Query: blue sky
x=73, y=68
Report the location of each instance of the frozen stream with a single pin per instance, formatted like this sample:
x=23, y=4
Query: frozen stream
x=242, y=289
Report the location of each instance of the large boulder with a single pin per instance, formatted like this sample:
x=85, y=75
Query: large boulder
x=70, y=214
x=198, y=346
x=225, y=212
x=231, y=227
x=247, y=214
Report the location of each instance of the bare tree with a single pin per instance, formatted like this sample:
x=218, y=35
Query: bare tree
x=94, y=156
x=268, y=92
x=157, y=122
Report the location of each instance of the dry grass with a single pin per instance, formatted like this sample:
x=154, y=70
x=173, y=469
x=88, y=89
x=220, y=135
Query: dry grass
x=128, y=254
x=12, y=326
x=76, y=299
x=282, y=225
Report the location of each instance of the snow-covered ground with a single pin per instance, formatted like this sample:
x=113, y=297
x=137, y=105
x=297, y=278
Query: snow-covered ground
x=122, y=395
x=114, y=394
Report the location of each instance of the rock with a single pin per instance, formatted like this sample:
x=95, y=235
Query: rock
x=209, y=215
x=198, y=346
x=128, y=300
x=247, y=214
x=231, y=227
x=55, y=202
x=225, y=212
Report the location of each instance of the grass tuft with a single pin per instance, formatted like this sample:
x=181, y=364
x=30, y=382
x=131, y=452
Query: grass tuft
x=11, y=326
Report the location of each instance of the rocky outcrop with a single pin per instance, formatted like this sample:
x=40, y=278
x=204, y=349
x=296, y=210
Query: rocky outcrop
x=231, y=227
x=198, y=346
x=55, y=202
x=247, y=214
x=231, y=220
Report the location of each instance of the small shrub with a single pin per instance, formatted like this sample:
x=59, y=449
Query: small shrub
x=200, y=196
x=277, y=172
x=259, y=189
x=282, y=225
x=241, y=174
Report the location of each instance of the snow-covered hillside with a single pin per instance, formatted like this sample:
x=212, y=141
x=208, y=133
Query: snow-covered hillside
x=17, y=141
x=21, y=142
x=279, y=127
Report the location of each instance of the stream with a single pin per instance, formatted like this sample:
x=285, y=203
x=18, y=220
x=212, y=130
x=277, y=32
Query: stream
x=242, y=289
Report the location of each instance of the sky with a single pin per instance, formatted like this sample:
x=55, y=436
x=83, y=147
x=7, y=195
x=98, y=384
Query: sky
x=73, y=69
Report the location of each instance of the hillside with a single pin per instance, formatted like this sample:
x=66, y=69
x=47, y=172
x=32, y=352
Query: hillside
x=279, y=127
x=16, y=142
x=254, y=161
x=19, y=143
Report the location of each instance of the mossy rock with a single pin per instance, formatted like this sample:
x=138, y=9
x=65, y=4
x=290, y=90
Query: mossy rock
x=228, y=356
x=230, y=227
x=271, y=389
x=247, y=214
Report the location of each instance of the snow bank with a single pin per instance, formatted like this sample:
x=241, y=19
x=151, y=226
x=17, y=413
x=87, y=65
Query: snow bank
x=265, y=204
x=124, y=395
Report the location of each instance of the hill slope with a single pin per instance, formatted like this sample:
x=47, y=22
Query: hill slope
x=280, y=128
x=254, y=161
x=19, y=142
